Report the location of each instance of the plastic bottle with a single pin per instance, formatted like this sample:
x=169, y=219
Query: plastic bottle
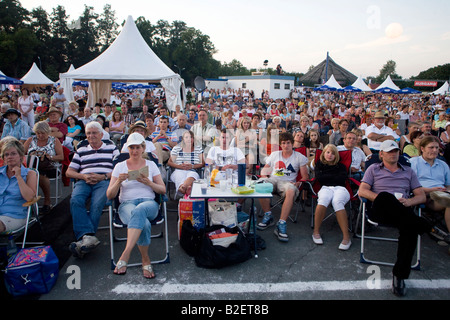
x=207, y=175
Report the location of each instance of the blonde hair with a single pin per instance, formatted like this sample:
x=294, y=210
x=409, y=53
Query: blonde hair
x=11, y=142
x=334, y=149
x=42, y=126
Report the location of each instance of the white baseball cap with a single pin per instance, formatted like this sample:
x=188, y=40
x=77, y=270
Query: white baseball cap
x=388, y=145
x=135, y=139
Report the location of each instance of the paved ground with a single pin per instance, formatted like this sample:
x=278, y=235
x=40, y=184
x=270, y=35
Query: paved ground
x=295, y=270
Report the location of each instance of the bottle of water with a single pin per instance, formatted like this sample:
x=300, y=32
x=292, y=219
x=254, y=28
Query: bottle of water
x=207, y=175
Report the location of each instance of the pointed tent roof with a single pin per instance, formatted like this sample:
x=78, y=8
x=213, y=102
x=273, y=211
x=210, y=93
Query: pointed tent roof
x=35, y=77
x=360, y=84
x=443, y=89
x=330, y=85
x=317, y=74
x=128, y=58
x=388, y=84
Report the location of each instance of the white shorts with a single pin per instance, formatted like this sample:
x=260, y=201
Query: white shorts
x=12, y=223
x=179, y=176
x=337, y=196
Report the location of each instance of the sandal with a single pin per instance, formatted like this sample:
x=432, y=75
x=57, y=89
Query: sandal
x=148, y=268
x=121, y=264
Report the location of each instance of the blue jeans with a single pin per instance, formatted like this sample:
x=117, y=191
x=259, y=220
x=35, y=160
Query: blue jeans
x=138, y=214
x=85, y=222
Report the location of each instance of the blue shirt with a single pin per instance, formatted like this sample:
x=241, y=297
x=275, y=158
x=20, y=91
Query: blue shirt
x=437, y=175
x=11, y=199
x=20, y=131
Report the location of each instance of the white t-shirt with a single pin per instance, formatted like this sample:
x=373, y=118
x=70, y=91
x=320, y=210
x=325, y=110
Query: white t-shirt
x=223, y=157
x=385, y=130
x=286, y=169
x=130, y=190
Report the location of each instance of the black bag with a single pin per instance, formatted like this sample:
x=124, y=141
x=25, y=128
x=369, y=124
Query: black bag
x=190, y=238
x=216, y=256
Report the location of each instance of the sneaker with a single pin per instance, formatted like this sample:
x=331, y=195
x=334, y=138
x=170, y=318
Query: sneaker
x=441, y=197
x=89, y=243
x=440, y=235
x=266, y=222
x=280, y=231
x=75, y=248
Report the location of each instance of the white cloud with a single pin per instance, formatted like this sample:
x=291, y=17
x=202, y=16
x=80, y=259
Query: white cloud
x=380, y=42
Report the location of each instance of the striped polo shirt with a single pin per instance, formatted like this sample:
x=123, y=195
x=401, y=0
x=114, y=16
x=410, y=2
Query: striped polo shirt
x=88, y=160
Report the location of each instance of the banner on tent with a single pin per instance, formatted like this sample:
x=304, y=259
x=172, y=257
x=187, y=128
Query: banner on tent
x=425, y=83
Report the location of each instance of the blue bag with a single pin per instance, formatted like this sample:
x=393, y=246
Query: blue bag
x=32, y=271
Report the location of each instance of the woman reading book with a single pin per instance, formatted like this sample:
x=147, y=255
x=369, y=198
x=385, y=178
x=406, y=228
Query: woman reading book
x=137, y=205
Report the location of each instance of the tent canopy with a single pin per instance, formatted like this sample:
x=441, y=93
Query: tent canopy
x=7, y=80
x=443, y=89
x=360, y=84
x=388, y=84
x=127, y=59
x=35, y=77
x=330, y=85
x=321, y=73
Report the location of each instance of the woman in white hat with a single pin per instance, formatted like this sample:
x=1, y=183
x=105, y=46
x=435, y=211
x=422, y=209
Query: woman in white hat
x=138, y=179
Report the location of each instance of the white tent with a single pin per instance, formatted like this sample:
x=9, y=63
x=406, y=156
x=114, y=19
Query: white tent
x=128, y=59
x=332, y=83
x=442, y=90
x=35, y=78
x=360, y=84
x=388, y=84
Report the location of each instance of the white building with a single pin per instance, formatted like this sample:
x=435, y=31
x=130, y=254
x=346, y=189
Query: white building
x=279, y=87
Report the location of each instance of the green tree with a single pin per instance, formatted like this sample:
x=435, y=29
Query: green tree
x=59, y=46
x=441, y=72
x=12, y=16
x=107, y=27
x=388, y=70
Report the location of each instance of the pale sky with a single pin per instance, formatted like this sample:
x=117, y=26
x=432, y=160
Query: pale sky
x=358, y=35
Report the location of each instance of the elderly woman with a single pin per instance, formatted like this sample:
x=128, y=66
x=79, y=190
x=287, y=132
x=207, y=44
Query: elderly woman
x=185, y=158
x=137, y=201
x=50, y=151
x=17, y=186
x=14, y=126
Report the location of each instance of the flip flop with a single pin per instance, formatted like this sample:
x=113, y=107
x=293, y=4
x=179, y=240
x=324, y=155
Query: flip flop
x=149, y=269
x=121, y=264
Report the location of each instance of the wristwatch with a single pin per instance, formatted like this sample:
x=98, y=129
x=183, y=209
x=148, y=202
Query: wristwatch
x=106, y=176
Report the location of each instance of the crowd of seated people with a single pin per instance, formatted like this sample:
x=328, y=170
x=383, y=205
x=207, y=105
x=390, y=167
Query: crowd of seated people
x=267, y=132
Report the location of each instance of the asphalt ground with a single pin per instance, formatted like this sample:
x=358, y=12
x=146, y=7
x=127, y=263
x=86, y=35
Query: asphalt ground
x=296, y=270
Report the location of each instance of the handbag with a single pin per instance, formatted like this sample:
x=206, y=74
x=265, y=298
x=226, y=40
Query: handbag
x=222, y=213
x=32, y=271
x=190, y=238
x=213, y=256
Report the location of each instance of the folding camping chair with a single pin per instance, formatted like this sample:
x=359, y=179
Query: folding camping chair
x=363, y=223
x=313, y=186
x=32, y=212
x=160, y=220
